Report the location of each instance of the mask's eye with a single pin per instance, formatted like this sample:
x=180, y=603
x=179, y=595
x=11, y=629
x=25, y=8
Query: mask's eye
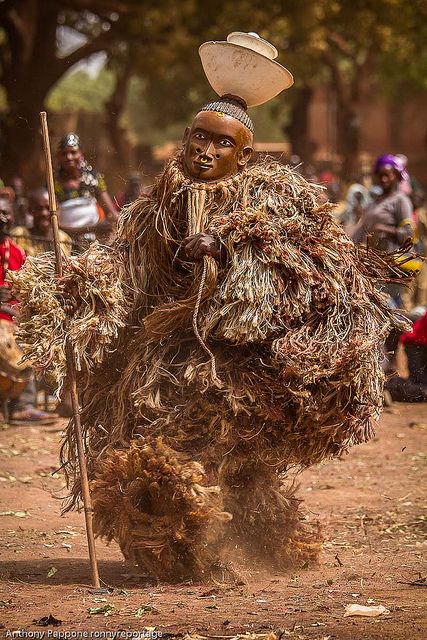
x=199, y=136
x=226, y=143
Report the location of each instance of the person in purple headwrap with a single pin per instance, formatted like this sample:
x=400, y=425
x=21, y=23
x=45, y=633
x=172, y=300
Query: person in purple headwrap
x=387, y=222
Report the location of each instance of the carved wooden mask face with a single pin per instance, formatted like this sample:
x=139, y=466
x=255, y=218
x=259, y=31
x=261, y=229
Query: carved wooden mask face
x=216, y=146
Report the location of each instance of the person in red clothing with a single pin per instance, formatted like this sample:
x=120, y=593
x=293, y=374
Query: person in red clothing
x=414, y=388
x=415, y=343
x=12, y=258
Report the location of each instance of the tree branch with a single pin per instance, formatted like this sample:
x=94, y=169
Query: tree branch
x=13, y=27
x=100, y=43
x=337, y=41
x=96, y=6
x=364, y=73
x=337, y=77
x=16, y=40
x=6, y=6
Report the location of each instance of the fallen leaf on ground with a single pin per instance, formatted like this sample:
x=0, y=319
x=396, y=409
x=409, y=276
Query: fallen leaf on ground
x=105, y=610
x=67, y=533
x=5, y=603
x=418, y=425
x=48, y=620
x=141, y=611
x=18, y=514
x=25, y=479
x=52, y=572
x=361, y=610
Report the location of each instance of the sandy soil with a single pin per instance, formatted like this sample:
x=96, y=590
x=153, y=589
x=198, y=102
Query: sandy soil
x=371, y=505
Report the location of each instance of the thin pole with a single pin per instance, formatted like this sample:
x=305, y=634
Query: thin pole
x=71, y=371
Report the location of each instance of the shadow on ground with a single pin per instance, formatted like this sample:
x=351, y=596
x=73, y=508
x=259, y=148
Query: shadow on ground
x=112, y=573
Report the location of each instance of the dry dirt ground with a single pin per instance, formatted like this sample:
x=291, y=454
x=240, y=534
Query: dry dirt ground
x=371, y=506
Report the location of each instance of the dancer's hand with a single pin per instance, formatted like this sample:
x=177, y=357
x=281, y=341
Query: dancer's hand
x=202, y=244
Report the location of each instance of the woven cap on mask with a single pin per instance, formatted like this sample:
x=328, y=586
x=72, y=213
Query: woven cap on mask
x=231, y=106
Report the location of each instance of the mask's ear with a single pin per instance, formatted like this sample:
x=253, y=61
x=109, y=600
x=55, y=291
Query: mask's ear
x=244, y=156
x=185, y=136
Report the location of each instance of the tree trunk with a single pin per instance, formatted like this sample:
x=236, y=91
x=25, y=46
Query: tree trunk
x=29, y=67
x=348, y=138
x=350, y=90
x=113, y=112
x=298, y=128
x=395, y=124
x=27, y=77
x=21, y=149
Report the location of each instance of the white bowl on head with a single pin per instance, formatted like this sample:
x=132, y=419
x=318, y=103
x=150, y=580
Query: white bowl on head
x=242, y=71
x=255, y=42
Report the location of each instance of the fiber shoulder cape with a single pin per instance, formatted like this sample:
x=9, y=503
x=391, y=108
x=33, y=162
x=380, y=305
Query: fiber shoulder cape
x=270, y=358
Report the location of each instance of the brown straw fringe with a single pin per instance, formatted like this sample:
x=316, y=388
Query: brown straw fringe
x=293, y=325
x=196, y=224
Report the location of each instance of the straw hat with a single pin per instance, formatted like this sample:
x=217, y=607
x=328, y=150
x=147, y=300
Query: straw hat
x=244, y=66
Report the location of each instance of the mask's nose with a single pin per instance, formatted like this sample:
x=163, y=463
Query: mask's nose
x=206, y=155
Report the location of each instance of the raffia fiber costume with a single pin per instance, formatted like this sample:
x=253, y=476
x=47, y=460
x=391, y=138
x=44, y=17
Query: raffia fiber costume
x=201, y=384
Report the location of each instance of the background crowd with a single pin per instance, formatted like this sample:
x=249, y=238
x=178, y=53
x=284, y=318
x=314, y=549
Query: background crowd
x=385, y=209
x=125, y=76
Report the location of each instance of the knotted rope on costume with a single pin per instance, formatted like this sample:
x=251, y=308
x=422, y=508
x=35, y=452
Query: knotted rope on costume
x=196, y=224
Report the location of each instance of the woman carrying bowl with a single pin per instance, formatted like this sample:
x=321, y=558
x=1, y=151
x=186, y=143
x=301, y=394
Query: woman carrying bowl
x=85, y=207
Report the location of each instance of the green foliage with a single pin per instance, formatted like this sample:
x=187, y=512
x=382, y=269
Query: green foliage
x=358, y=47
x=80, y=91
x=144, y=125
x=141, y=121
x=3, y=99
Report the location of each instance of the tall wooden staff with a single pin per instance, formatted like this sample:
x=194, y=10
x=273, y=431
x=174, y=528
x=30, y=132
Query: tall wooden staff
x=71, y=371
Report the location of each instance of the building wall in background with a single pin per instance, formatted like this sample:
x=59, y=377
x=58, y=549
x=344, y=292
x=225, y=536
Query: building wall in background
x=400, y=128
x=385, y=128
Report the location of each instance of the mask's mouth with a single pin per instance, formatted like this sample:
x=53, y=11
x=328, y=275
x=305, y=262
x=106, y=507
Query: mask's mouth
x=4, y=219
x=203, y=163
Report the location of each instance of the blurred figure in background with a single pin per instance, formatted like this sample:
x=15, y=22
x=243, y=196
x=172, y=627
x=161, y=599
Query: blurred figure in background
x=408, y=185
x=11, y=258
x=414, y=388
x=85, y=208
x=22, y=409
x=330, y=180
x=356, y=200
x=8, y=193
x=387, y=221
x=385, y=224
x=419, y=201
x=20, y=204
x=36, y=240
x=39, y=237
x=133, y=190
